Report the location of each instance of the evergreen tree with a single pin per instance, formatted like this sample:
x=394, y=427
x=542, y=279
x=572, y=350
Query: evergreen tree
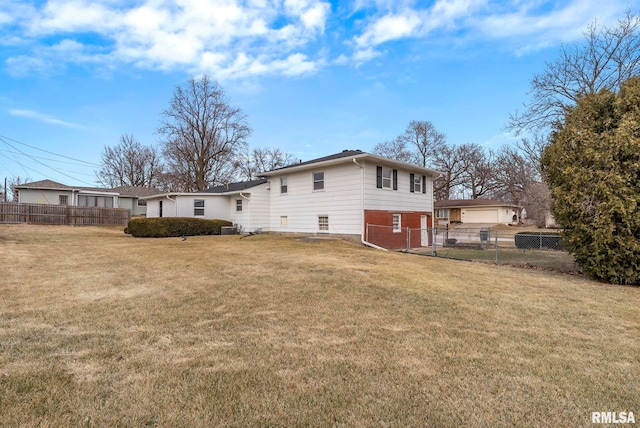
x=593, y=168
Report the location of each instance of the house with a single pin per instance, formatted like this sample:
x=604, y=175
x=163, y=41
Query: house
x=469, y=211
x=352, y=194
x=53, y=193
x=246, y=204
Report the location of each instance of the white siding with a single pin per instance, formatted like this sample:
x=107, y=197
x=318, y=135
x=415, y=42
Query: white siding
x=397, y=200
x=339, y=200
x=255, y=209
x=49, y=197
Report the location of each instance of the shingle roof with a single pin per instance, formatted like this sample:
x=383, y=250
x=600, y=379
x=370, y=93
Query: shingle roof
x=462, y=203
x=43, y=184
x=134, y=191
x=233, y=187
x=342, y=154
x=130, y=191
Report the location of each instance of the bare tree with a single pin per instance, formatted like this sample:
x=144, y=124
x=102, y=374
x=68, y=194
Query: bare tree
x=448, y=160
x=606, y=57
x=251, y=163
x=424, y=140
x=396, y=149
x=130, y=164
x=477, y=170
x=202, y=134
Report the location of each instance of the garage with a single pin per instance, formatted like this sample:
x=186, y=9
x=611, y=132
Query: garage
x=480, y=215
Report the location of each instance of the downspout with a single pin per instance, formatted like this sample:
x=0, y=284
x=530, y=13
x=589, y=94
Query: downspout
x=362, y=237
x=248, y=203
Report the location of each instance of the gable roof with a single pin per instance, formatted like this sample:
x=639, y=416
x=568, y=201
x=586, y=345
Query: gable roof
x=465, y=203
x=126, y=191
x=345, y=156
x=234, y=187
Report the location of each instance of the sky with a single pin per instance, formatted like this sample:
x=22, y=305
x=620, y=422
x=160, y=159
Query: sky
x=314, y=77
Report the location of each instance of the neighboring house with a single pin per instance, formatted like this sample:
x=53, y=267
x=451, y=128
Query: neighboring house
x=337, y=194
x=469, y=211
x=53, y=193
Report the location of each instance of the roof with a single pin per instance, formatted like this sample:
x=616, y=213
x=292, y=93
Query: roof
x=465, y=203
x=234, y=187
x=347, y=155
x=135, y=191
x=127, y=191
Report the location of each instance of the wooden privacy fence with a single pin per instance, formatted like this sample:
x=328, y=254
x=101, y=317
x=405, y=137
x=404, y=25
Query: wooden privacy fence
x=62, y=214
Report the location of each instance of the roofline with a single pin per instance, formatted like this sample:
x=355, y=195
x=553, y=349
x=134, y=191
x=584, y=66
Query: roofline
x=201, y=193
x=347, y=159
x=478, y=206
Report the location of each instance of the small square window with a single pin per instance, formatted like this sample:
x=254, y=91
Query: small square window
x=323, y=223
x=283, y=185
x=238, y=205
x=284, y=220
x=318, y=180
x=397, y=225
x=198, y=207
x=64, y=200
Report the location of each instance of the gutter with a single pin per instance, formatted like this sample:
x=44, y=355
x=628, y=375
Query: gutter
x=362, y=237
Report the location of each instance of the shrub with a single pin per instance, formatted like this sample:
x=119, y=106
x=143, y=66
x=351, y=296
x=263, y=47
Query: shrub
x=538, y=240
x=166, y=227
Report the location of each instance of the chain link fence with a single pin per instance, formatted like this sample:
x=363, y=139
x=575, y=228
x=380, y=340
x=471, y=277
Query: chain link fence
x=500, y=245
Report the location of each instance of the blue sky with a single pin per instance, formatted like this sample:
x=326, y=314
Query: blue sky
x=314, y=77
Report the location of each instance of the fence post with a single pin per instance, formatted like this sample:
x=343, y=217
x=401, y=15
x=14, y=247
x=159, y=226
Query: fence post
x=496, y=241
x=434, y=233
x=540, y=240
x=408, y=238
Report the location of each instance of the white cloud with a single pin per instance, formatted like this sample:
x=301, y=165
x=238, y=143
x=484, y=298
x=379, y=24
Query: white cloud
x=525, y=25
x=191, y=34
x=43, y=118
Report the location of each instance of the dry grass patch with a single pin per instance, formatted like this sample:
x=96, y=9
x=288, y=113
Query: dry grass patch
x=102, y=329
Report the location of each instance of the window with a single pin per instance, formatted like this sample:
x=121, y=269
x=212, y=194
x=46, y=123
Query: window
x=284, y=220
x=323, y=223
x=397, y=225
x=63, y=200
x=386, y=178
x=417, y=184
x=142, y=202
x=198, y=207
x=318, y=180
x=283, y=184
x=442, y=213
x=238, y=205
x=95, y=201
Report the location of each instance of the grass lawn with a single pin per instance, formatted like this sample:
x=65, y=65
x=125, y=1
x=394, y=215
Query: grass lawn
x=98, y=328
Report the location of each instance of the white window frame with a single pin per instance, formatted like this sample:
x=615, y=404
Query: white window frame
x=442, y=211
x=387, y=178
x=63, y=199
x=238, y=205
x=284, y=220
x=417, y=183
x=283, y=185
x=318, y=183
x=198, y=207
x=323, y=223
x=396, y=223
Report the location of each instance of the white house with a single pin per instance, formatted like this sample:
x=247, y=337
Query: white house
x=50, y=192
x=337, y=194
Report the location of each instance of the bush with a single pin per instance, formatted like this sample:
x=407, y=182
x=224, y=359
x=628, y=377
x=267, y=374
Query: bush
x=166, y=227
x=538, y=240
